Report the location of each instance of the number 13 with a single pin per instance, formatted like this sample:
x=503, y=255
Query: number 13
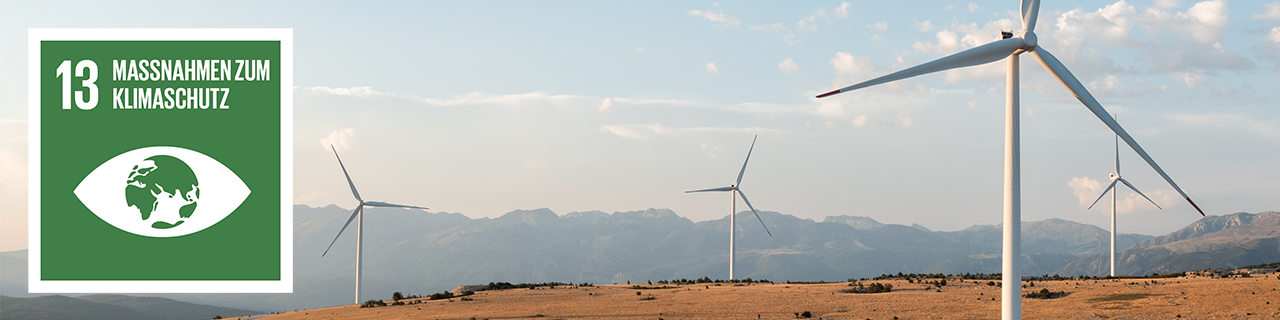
x=64, y=72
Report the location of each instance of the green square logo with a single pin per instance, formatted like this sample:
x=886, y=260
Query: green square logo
x=160, y=160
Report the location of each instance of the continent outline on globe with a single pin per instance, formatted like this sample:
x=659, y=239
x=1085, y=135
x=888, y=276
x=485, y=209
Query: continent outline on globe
x=164, y=190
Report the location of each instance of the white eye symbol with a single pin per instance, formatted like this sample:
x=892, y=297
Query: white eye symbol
x=162, y=191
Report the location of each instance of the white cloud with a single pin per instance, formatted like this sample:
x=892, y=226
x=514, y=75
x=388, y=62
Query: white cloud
x=829, y=124
x=340, y=139
x=350, y=91
x=1272, y=13
x=879, y=26
x=639, y=50
x=1191, y=79
x=973, y=105
x=847, y=63
x=1171, y=41
x=1132, y=202
x=604, y=105
x=1085, y=189
x=973, y=7
x=859, y=121
x=790, y=39
x=788, y=65
x=807, y=24
x=711, y=68
x=842, y=11
x=1274, y=36
x=1205, y=22
x=1166, y=4
x=1109, y=86
x=650, y=132
x=717, y=17
x=769, y=27
x=905, y=118
x=925, y=26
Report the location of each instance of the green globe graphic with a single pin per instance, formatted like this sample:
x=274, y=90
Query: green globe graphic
x=164, y=188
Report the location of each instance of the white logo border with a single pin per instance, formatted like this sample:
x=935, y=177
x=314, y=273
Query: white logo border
x=36, y=285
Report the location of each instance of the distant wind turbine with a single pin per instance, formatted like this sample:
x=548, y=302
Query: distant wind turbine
x=358, y=215
x=1010, y=46
x=733, y=207
x=1115, y=177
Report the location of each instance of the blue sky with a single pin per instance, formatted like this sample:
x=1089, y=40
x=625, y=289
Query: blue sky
x=487, y=107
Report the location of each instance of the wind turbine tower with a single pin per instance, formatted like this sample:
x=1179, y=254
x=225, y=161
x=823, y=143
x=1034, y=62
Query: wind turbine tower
x=358, y=216
x=733, y=206
x=1011, y=46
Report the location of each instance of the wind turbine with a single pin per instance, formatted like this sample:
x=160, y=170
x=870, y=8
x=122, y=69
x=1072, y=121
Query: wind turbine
x=1010, y=46
x=733, y=207
x=358, y=215
x=1115, y=177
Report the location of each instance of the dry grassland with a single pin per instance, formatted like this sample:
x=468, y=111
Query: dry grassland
x=1199, y=298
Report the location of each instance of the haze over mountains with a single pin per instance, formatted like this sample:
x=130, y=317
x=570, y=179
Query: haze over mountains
x=418, y=252
x=110, y=307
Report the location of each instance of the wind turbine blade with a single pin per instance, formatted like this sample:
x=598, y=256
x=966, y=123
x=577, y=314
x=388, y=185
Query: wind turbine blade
x=344, y=228
x=1104, y=193
x=712, y=190
x=384, y=204
x=1030, y=12
x=1068, y=80
x=344, y=173
x=979, y=55
x=744, y=162
x=753, y=210
x=1117, y=155
x=1126, y=183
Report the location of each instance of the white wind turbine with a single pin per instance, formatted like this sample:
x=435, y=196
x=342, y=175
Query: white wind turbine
x=1010, y=46
x=1115, y=177
x=733, y=208
x=358, y=215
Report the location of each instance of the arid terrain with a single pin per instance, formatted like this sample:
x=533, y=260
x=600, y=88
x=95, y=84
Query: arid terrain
x=1254, y=297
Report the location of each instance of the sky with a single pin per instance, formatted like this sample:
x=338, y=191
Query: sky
x=482, y=108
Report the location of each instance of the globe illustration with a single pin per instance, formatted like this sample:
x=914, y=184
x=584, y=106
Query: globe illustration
x=164, y=190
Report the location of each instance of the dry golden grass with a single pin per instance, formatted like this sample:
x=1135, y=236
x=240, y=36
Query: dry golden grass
x=1201, y=298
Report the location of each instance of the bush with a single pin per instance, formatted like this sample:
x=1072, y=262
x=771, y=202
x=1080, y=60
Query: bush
x=397, y=296
x=373, y=303
x=1046, y=294
x=806, y=315
x=872, y=288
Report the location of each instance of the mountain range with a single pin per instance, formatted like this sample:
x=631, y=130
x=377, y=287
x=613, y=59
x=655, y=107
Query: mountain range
x=418, y=252
x=110, y=307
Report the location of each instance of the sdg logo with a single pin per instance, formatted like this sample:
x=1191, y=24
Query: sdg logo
x=160, y=160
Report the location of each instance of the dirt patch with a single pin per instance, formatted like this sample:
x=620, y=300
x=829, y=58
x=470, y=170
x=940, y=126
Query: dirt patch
x=1123, y=297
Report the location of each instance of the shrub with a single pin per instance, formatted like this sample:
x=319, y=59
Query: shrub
x=872, y=288
x=373, y=303
x=806, y=315
x=397, y=296
x=1046, y=294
